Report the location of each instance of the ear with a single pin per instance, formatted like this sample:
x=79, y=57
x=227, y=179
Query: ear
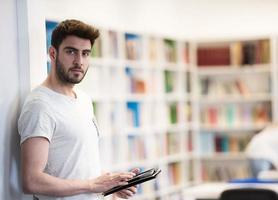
x=52, y=53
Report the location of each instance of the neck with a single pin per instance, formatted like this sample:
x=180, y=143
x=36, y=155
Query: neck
x=58, y=86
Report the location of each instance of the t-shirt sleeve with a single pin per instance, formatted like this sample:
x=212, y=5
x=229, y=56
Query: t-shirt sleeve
x=35, y=122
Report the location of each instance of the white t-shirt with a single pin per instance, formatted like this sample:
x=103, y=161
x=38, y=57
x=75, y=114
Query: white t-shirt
x=264, y=145
x=69, y=125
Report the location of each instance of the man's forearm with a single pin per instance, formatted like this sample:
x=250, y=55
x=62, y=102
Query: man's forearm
x=45, y=184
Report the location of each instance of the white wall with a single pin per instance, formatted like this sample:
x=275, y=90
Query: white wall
x=177, y=18
x=9, y=101
x=22, y=52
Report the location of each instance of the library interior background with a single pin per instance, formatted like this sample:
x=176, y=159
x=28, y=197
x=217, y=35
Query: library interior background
x=179, y=85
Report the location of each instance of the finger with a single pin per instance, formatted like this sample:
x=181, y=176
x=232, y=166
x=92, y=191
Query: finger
x=121, y=183
x=118, y=180
x=135, y=170
x=123, y=176
x=132, y=189
x=127, y=192
x=122, y=195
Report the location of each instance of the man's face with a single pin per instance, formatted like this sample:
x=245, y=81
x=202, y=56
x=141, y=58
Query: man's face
x=73, y=59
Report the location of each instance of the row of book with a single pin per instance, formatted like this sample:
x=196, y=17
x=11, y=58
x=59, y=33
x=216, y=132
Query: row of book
x=130, y=80
x=139, y=81
x=211, y=142
x=235, y=87
x=135, y=114
x=215, y=171
x=147, y=147
x=135, y=147
x=236, y=115
x=134, y=48
x=234, y=54
x=170, y=113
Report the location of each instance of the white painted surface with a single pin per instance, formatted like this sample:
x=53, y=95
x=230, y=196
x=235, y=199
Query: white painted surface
x=9, y=99
x=176, y=18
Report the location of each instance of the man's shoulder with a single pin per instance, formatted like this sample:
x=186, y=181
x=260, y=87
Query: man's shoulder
x=38, y=98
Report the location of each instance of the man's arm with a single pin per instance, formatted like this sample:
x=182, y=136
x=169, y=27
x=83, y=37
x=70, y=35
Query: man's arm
x=34, y=156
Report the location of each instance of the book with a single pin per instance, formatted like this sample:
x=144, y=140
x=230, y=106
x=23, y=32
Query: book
x=173, y=113
x=169, y=81
x=174, y=173
x=153, y=49
x=265, y=45
x=249, y=53
x=113, y=44
x=134, y=113
x=170, y=50
x=186, y=53
x=242, y=87
x=213, y=56
x=135, y=81
x=133, y=46
x=173, y=143
x=236, y=54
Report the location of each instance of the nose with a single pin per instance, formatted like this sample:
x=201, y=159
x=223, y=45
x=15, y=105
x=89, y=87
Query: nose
x=78, y=59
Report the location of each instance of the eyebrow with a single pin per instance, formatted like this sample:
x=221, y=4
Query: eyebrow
x=75, y=49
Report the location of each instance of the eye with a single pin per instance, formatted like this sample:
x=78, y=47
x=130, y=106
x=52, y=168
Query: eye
x=70, y=51
x=86, y=53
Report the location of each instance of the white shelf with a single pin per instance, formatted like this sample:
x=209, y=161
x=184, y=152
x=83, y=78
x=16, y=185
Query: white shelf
x=236, y=99
x=224, y=156
x=174, y=97
x=228, y=70
x=238, y=128
x=135, y=64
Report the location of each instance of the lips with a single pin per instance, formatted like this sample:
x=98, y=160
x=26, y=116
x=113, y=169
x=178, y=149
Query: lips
x=77, y=70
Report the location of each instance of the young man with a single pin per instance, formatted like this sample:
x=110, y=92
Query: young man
x=59, y=136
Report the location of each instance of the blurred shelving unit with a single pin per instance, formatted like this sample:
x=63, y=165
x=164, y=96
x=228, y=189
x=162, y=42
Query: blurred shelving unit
x=235, y=86
x=142, y=100
x=187, y=107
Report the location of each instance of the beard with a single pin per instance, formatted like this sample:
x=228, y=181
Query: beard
x=65, y=75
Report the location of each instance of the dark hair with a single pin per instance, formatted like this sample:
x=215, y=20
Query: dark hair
x=75, y=28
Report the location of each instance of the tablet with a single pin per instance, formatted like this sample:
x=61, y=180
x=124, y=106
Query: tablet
x=139, y=178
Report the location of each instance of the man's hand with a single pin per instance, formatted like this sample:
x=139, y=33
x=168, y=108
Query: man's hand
x=110, y=180
x=129, y=192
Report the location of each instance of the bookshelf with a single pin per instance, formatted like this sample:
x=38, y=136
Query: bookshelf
x=235, y=90
x=143, y=107
x=187, y=107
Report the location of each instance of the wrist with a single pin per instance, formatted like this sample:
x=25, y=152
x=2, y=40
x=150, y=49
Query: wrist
x=90, y=186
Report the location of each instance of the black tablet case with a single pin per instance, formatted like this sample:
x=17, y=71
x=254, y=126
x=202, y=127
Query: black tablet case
x=139, y=178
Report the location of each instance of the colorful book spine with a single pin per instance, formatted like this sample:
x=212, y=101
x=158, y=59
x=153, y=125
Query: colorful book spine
x=133, y=46
x=170, y=50
x=134, y=113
